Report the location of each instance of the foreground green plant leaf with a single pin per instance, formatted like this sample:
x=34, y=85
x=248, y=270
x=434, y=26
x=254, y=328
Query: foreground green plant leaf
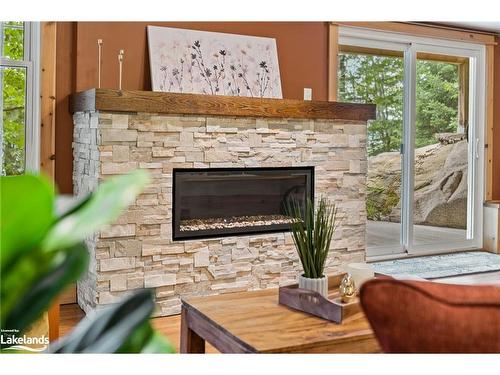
x=157, y=343
x=65, y=269
x=43, y=253
x=20, y=276
x=27, y=204
x=102, y=207
x=122, y=328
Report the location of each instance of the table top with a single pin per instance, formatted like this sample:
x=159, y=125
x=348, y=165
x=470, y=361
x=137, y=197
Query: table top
x=259, y=321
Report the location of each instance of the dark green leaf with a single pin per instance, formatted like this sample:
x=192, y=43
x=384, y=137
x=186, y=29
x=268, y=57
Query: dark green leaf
x=123, y=328
x=67, y=268
x=21, y=274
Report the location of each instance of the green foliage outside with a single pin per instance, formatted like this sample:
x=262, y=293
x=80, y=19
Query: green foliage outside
x=379, y=80
x=381, y=200
x=13, y=84
x=437, y=101
x=43, y=252
x=13, y=46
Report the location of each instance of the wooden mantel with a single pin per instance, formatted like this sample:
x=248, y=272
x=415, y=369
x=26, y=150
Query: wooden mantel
x=193, y=104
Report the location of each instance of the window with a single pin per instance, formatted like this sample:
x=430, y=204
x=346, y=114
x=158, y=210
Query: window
x=425, y=148
x=20, y=98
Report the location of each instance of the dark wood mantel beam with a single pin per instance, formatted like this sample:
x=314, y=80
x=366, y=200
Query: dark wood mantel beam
x=193, y=104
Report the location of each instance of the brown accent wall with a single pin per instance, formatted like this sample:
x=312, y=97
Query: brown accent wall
x=496, y=122
x=302, y=53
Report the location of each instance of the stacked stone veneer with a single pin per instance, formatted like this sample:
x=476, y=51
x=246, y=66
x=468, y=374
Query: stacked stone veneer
x=137, y=250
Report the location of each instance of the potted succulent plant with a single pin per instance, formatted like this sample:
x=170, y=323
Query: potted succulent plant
x=312, y=231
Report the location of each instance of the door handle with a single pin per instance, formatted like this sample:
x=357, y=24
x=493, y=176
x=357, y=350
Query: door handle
x=477, y=147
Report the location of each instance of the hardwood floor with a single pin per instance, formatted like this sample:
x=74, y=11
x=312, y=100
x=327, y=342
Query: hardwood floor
x=170, y=325
x=70, y=316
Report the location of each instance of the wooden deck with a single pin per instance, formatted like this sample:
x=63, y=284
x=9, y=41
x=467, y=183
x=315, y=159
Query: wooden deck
x=170, y=325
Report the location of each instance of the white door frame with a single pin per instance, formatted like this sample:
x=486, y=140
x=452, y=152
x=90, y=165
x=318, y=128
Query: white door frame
x=410, y=45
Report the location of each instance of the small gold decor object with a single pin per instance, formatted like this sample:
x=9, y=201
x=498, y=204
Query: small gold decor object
x=347, y=289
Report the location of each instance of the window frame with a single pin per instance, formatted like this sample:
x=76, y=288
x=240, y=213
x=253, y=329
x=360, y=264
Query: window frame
x=30, y=62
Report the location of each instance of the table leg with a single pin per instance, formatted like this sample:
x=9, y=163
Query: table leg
x=191, y=342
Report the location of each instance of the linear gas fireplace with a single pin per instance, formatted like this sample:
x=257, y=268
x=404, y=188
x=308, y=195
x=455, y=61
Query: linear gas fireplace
x=225, y=201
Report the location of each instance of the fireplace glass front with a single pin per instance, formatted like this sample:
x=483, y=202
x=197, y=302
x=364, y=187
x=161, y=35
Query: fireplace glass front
x=225, y=201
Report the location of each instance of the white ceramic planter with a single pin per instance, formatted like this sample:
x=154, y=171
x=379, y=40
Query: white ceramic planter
x=317, y=285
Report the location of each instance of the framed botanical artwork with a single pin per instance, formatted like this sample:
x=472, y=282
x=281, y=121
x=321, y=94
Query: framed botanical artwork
x=202, y=62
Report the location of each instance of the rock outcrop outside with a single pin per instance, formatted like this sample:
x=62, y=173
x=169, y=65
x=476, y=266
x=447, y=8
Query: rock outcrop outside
x=440, y=185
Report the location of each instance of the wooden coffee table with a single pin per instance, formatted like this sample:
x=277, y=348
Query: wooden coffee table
x=254, y=322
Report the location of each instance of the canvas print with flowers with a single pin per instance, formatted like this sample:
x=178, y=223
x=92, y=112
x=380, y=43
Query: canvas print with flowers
x=202, y=62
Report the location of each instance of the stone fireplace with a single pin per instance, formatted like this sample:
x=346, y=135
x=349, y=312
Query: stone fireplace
x=211, y=221
x=215, y=202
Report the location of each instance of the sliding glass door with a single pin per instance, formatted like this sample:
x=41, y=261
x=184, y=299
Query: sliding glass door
x=425, y=148
x=376, y=75
x=447, y=147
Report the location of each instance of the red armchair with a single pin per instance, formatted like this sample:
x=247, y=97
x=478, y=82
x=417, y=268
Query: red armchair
x=427, y=317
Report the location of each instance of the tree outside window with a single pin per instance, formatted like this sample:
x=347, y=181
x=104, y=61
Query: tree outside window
x=13, y=99
x=377, y=79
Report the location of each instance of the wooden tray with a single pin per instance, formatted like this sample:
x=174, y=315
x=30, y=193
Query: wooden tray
x=331, y=308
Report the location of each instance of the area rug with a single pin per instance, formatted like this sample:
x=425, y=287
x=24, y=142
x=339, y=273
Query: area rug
x=437, y=266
